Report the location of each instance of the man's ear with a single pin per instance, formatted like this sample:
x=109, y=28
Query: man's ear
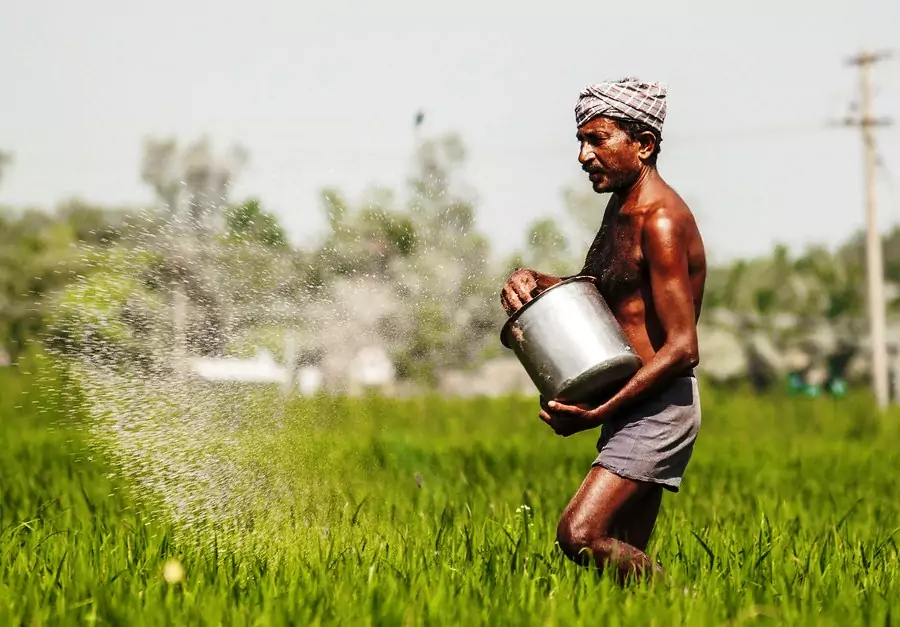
x=648, y=144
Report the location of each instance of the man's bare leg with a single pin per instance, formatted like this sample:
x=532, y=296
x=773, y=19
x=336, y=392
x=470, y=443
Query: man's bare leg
x=605, y=509
x=635, y=523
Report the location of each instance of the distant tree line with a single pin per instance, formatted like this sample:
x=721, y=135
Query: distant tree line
x=58, y=268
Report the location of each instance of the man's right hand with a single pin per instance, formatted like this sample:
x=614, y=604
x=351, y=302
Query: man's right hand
x=522, y=286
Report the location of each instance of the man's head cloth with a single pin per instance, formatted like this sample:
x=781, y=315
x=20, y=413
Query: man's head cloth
x=625, y=99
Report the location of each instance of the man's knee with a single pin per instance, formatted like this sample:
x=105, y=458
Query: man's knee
x=580, y=542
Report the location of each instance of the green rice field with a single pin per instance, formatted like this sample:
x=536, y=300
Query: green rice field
x=429, y=512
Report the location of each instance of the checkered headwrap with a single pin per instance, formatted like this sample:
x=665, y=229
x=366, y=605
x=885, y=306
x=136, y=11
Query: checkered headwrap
x=629, y=98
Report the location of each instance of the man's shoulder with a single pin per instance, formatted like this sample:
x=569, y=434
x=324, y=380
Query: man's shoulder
x=669, y=223
x=658, y=195
x=664, y=217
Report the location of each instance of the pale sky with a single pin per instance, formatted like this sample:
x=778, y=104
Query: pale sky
x=324, y=94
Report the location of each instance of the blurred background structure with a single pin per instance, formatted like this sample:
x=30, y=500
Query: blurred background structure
x=388, y=170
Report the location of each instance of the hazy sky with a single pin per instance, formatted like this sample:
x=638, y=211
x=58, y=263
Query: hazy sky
x=324, y=94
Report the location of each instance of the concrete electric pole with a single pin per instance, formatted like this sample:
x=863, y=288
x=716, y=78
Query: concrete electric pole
x=874, y=257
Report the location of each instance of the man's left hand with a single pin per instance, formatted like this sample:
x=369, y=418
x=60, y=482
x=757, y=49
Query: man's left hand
x=568, y=420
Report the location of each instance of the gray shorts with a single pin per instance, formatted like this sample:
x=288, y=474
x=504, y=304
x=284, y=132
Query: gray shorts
x=653, y=441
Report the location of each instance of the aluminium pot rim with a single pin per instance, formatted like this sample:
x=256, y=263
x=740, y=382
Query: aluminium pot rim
x=516, y=314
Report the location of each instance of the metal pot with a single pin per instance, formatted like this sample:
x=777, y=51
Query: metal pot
x=570, y=343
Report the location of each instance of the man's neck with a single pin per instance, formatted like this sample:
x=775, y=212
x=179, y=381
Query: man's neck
x=630, y=195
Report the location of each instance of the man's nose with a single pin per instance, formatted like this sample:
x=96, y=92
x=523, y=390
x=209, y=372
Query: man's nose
x=585, y=154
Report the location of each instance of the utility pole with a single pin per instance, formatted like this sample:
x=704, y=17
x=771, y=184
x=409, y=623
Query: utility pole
x=874, y=257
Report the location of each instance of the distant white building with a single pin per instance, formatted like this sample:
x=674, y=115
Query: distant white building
x=309, y=380
x=261, y=368
x=371, y=366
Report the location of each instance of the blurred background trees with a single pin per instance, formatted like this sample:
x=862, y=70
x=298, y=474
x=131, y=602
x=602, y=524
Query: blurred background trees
x=407, y=269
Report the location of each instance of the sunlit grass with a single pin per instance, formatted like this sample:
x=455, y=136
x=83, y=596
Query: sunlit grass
x=411, y=512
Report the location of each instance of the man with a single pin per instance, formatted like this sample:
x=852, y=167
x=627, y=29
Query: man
x=649, y=264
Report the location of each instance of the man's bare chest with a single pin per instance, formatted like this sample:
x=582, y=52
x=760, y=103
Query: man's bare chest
x=616, y=261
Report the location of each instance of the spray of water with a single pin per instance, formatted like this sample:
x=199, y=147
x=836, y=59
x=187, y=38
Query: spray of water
x=217, y=456
x=199, y=454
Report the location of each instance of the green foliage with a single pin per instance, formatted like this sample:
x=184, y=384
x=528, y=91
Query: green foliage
x=817, y=284
x=109, y=312
x=249, y=222
x=260, y=337
x=40, y=254
x=547, y=249
x=442, y=512
x=425, y=249
x=363, y=241
x=97, y=304
x=422, y=242
x=430, y=336
x=91, y=225
x=397, y=233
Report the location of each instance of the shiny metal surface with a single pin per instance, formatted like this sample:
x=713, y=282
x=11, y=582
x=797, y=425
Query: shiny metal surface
x=569, y=342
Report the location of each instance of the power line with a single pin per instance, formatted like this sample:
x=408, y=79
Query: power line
x=785, y=129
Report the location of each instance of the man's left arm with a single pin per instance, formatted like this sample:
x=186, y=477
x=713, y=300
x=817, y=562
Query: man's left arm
x=665, y=252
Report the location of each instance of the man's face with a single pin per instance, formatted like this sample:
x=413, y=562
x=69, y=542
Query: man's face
x=611, y=158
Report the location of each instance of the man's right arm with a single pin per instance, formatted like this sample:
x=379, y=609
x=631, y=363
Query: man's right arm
x=521, y=286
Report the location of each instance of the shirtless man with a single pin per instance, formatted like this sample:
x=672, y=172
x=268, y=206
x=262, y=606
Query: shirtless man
x=649, y=264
